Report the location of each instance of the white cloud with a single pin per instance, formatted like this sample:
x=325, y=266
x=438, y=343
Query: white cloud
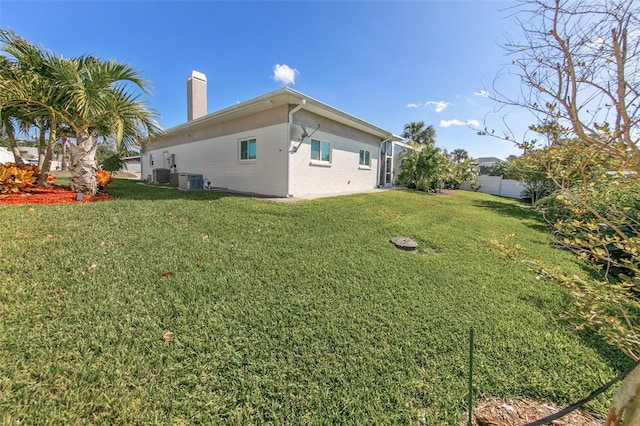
x=597, y=43
x=456, y=122
x=284, y=74
x=440, y=105
x=482, y=93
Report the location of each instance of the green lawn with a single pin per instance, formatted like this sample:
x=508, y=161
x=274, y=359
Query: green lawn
x=299, y=313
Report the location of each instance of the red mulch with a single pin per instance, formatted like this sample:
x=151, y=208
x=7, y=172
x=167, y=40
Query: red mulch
x=50, y=195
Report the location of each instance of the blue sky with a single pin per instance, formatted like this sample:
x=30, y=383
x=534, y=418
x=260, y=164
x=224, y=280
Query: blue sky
x=388, y=63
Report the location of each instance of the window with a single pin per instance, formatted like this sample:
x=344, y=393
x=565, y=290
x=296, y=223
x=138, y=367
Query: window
x=247, y=149
x=365, y=158
x=320, y=151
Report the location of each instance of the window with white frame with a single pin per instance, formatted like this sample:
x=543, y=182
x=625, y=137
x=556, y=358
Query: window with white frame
x=320, y=151
x=365, y=158
x=248, y=149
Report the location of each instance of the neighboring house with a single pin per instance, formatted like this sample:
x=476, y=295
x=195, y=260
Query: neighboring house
x=132, y=164
x=6, y=156
x=29, y=155
x=495, y=185
x=485, y=164
x=282, y=144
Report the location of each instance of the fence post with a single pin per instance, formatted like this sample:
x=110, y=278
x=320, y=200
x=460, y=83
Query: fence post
x=469, y=423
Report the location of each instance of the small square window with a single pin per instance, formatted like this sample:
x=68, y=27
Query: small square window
x=247, y=149
x=320, y=151
x=365, y=158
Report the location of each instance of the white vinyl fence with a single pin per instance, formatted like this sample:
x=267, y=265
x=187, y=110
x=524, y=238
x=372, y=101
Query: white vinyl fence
x=496, y=185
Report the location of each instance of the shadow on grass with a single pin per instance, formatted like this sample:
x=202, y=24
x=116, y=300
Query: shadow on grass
x=609, y=353
x=135, y=190
x=614, y=357
x=519, y=211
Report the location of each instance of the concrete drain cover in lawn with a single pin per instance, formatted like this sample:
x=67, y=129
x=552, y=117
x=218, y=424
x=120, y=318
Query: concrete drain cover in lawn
x=404, y=243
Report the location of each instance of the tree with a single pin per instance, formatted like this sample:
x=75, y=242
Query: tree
x=30, y=97
x=10, y=114
x=459, y=155
x=100, y=103
x=530, y=169
x=459, y=169
x=417, y=132
x=579, y=64
x=422, y=168
x=94, y=98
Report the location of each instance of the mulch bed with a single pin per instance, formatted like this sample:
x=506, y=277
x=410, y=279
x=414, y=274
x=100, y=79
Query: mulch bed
x=50, y=195
x=497, y=412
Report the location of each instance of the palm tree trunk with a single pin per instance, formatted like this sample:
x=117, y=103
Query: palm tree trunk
x=46, y=164
x=17, y=158
x=83, y=165
x=42, y=146
x=16, y=152
x=63, y=165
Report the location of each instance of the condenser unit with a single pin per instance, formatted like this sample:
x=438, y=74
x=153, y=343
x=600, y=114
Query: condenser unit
x=161, y=175
x=190, y=182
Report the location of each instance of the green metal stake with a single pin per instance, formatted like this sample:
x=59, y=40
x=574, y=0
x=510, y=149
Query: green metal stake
x=469, y=423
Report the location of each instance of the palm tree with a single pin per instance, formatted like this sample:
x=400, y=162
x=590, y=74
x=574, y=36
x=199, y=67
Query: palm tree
x=9, y=113
x=101, y=102
x=417, y=131
x=459, y=155
x=423, y=168
x=95, y=98
x=30, y=97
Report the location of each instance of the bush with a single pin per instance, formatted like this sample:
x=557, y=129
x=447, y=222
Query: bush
x=113, y=163
x=422, y=168
x=103, y=178
x=600, y=223
x=14, y=178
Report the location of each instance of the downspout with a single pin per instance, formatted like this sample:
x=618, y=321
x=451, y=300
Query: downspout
x=289, y=151
x=382, y=184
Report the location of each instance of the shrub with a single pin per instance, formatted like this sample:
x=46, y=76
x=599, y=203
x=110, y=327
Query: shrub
x=113, y=164
x=422, y=168
x=600, y=223
x=14, y=178
x=103, y=178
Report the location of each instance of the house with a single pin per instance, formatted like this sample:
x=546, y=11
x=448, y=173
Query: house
x=6, y=156
x=282, y=144
x=496, y=185
x=485, y=164
x=29, y=155
x=132, y=165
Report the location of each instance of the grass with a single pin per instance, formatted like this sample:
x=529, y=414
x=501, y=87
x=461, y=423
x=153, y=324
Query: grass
x=298, y=313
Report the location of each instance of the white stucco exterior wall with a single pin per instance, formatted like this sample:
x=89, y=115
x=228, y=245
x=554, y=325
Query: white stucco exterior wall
x=218, y=160
x=343, y=175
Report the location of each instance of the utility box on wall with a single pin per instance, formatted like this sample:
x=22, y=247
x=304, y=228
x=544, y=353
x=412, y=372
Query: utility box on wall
x=190, y=182
x=173, y=179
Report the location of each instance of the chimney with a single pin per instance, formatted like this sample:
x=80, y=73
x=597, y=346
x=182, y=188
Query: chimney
x=196, y=95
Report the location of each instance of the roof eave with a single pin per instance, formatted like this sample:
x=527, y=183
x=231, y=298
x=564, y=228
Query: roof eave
x=290, y=96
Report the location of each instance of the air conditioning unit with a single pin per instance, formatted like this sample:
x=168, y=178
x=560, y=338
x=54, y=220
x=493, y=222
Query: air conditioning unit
x=161, y=175
x=190, y=182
